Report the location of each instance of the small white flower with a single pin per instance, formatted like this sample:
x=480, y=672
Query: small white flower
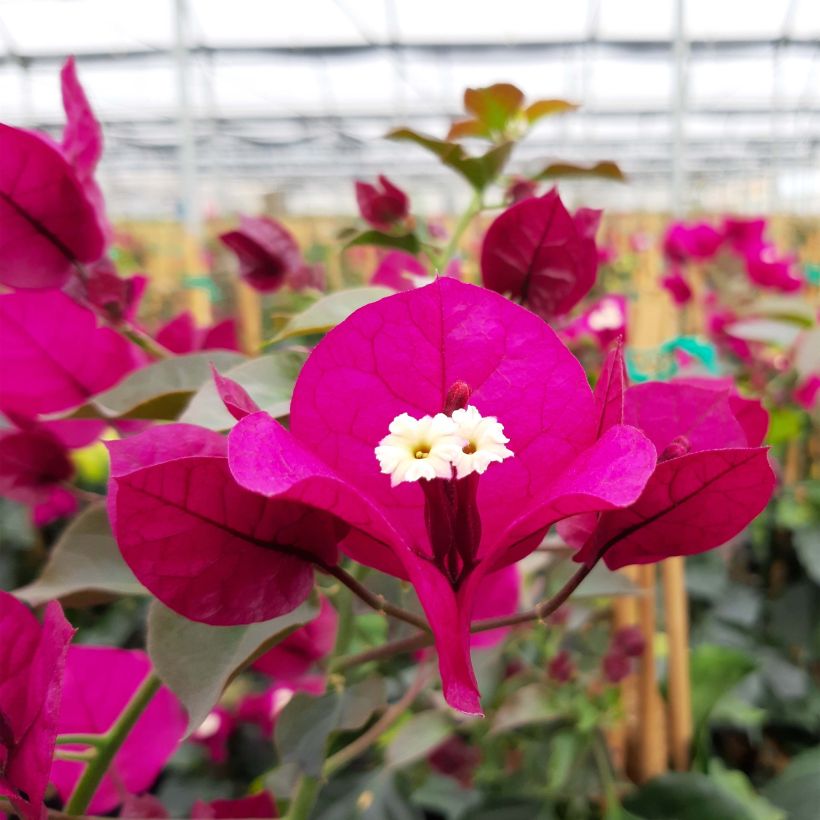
x=485, y=440
x=419, y=448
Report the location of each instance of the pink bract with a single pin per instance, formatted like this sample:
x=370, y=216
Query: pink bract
x=182, y=335
x=541, y=256
x=400, y=271
x=34, y=466
x=99, y=682
x=32, y=660
x=710, y=482
x=47, y=223
x=604, y=321
x=258, y=805
x=389, y=358
x=699, y=242
x=267, y=252
x=767, y=269
x=382, y=206
x=264, y=708
x=54, y=355
x=208, y=548
x=677, y=286
x=293, y=657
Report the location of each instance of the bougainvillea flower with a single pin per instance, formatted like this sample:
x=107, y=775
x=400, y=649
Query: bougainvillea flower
x=262, y=709
x=498, y=595
x=205, y=546
x=807, y=393
x=291, y=658
x=400, y=271
x=257, y=805
x=47, y=223
x=214, y=732
x=54, y=355
x=383, y=373
x=107, y=292
x=711, y=480
x=144, y=806
x=520, y=188
x=308, y=276
x=267, y=252
x=561, y=667
x=541, y=256
x=182, y=335
x=456, y=758
x=99, y=682
x=604, y=321
x=32, y=660
x=677, y=286
x=743, y=235
x=718, y=319
x=767, y=269
x=34, y=468
x=699, y=242
x=382, y=206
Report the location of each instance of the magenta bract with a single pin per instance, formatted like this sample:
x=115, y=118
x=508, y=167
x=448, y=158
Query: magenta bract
x=383, y=205
x=604, y=321
x=47, y=222
x=205, y=546
x=99, y=683
x=258, y=805
x=181, y=335
x=767, y=269
x=389, y=358
x=677, y=286
x=400, y=271
x=267, y=252
x=293, y=657
x=683, y=243
x=53, y=354
x=34, y=466
x=537, y=253
x=710, y=482
x=32, y=660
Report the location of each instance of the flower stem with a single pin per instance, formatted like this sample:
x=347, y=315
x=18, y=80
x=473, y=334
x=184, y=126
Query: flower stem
x=304, y=799
x=140, y=338
x=538, y=613
x=80, y=740
x=110, y=744
x=612, y=804
x=377, y=602
x=474, y=208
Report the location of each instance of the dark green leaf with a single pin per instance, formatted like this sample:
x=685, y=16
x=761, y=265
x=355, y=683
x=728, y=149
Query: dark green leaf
x=303, y=727
x=796, y=789
x=408, y=242
x=417, y=737
x=523, y=707
x=158, y=391
x=197, y=661
x=329, y=311
x=687, y=796
x=85, y=566
x=715, y=670
x=807, y=545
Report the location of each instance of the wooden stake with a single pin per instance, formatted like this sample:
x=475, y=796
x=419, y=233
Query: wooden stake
x=678, y=680
x=249, y=315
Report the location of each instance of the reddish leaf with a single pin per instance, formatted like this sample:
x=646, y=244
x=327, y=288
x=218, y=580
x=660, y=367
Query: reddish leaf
x=546, y=108
x=535, y=253
x=603, y=170
x=259, y=805
x=47, y=222
x=494, y=105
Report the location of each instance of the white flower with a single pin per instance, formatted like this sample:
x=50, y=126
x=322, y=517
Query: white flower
x=485, y=440
x=419, y=448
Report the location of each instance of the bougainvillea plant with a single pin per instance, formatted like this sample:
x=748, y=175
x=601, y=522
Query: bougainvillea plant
x=405, y=449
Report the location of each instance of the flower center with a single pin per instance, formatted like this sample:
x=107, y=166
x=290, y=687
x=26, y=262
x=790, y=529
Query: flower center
x=449, y=451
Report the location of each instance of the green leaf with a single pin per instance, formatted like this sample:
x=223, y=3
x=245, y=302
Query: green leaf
x=197, y=661
x=306, y=723
x=687, y=796
x=416, y=737
x=408, y=242
x=303, y=727
x=478, y=171
x=494, y=105
x=269, y=381
x=776, y=332
x=807, y=544
x=329, y=311
x=446, y=797
x=785, y=424
x=715, y=671
x=738, y=784
x=807, y=355
x=85, y=566
x=547, y=108
x=525, y=706
x=600, y=170
x=796, y=789
x=158, y=391
x=566, y=749
x=789, y=308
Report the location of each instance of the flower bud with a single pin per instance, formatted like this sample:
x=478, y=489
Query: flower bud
x=561, y=668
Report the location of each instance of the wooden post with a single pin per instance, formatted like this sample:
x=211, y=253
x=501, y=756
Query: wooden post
x=249, y=317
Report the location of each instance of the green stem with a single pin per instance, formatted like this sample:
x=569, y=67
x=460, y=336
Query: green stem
x=305, y=798
x=463, y=223
x=140, y=338
x=80, y=740
x=110, y=744
x=612, y=804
